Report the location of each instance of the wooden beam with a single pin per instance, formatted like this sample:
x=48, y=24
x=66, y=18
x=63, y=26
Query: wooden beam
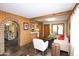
x=75, y=7
x=54, y=14
x=72, y=11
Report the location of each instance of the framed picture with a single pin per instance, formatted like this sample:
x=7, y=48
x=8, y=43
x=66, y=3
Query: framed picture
x=36, y=26
x=25, y=26
x=33, y=26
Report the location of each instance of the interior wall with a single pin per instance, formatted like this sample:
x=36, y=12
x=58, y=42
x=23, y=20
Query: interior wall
x=24, y=34
x=75, y=33
x=12, y=27
x=39, y=28
x=68, y=26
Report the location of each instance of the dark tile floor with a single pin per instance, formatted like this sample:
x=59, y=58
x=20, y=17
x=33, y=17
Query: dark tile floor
x=27, y=50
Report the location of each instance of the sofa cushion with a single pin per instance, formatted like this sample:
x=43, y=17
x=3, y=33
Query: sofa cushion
x=60, y=37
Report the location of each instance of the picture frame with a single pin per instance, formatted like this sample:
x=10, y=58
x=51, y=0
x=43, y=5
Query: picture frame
x=25, y=26
x=32, y=26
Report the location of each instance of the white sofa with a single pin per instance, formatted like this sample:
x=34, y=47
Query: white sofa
x=64, y=44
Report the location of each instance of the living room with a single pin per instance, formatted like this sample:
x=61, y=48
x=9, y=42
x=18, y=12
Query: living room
x=48, y=25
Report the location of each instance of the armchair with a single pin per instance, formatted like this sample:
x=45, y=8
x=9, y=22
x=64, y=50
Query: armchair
x=40, y=45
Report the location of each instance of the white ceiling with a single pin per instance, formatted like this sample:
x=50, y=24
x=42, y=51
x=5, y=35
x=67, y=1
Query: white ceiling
x=56, y=18
x=31, y=10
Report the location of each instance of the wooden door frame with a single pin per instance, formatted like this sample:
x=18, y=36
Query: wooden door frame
x=49, y=29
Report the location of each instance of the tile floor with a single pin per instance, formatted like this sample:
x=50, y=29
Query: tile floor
x=28, y=50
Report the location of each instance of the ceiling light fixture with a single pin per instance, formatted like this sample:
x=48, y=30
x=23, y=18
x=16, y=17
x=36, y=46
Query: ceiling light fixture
x=7, y=24
x=51, y=19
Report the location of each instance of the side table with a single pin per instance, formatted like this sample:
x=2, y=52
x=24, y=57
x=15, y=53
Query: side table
x=55, y=50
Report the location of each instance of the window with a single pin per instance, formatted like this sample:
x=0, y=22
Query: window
x=58, y=28
x=55, y=29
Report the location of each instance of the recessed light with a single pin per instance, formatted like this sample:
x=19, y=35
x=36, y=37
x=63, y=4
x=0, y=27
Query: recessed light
x=50, y=19
x=7, y=24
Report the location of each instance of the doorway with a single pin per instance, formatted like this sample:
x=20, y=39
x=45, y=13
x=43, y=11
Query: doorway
x=11, y=36
x=46, y=30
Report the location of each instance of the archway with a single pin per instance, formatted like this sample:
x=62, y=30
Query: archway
x=11, y=36
x=2, y=33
